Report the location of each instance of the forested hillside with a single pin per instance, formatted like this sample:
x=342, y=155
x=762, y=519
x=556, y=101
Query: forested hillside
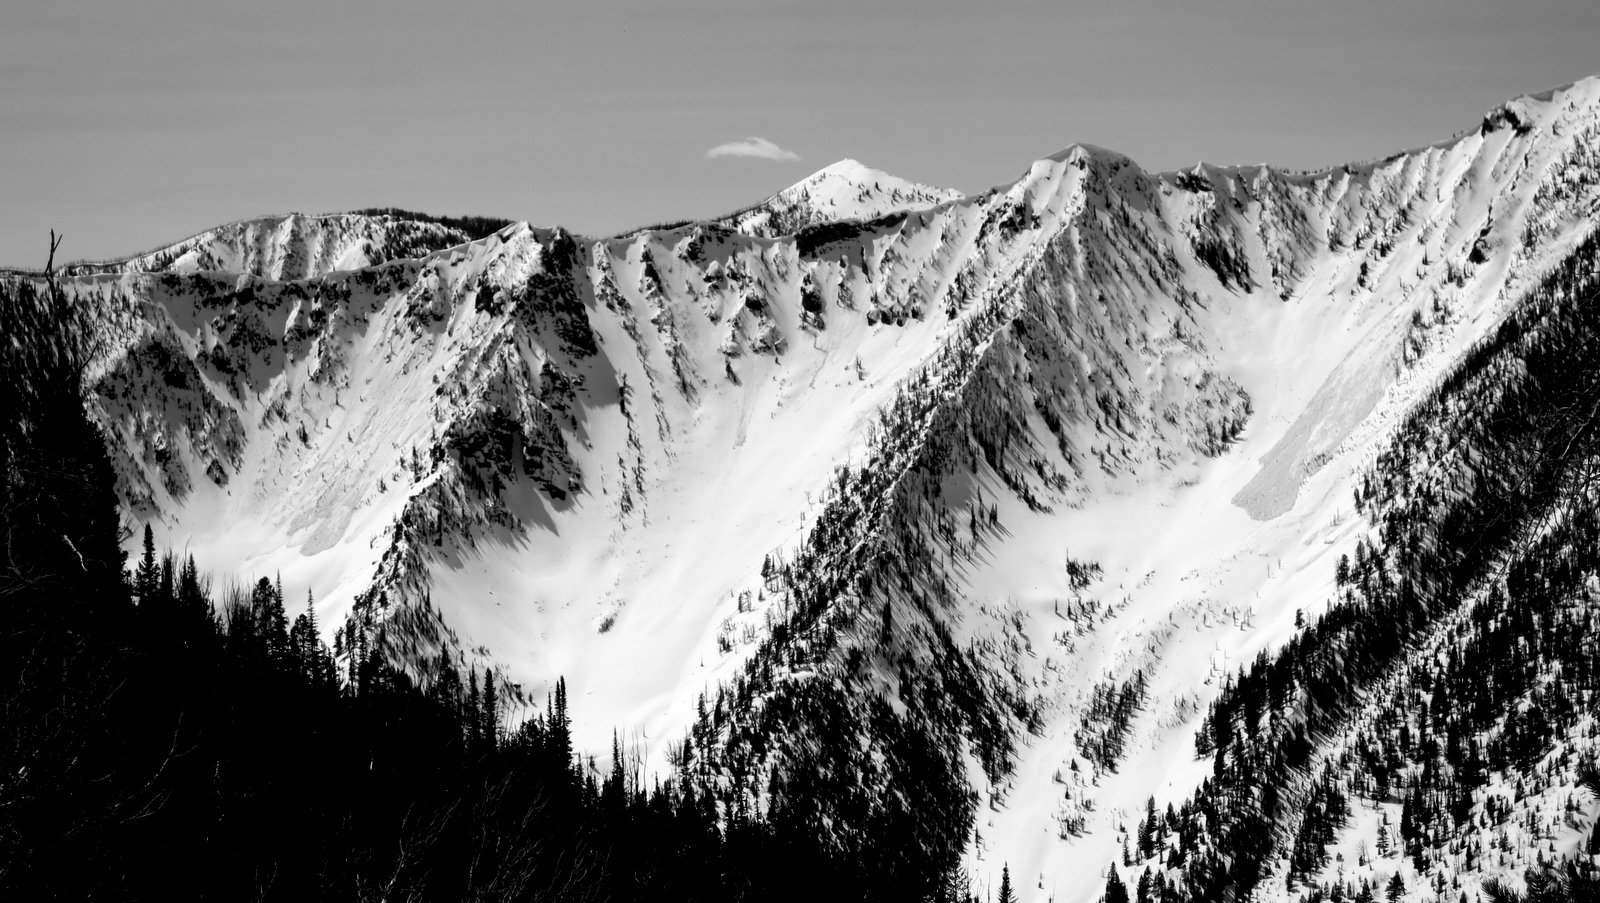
x=172, y=735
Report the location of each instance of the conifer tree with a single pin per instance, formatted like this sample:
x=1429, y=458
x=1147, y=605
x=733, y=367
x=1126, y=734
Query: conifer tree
x=561, y=726
x=1116, y=891
x=191, y=596
x=1006, y=894
x=147, y=579
x=272, y=625
x=167, y=586
x=311, y=618
x=309, y=656
x=1147, y=829
x=474, y=713
x=612, y=795
x=490, y=729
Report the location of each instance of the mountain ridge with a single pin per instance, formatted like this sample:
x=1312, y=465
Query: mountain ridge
x=513, y=443
x=1498, y=114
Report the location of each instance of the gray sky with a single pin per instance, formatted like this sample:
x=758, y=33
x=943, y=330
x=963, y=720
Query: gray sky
x=128, y=125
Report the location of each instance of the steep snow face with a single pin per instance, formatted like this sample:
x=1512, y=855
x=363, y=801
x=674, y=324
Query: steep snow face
x=847, y=190
x=1026, y=475
x=1336, y=300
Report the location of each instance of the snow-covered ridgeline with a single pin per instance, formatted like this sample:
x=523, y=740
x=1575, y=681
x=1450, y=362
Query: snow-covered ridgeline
x=582, y=452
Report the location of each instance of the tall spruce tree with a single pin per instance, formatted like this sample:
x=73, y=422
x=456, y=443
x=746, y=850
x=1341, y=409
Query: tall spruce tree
x=147, y=578
x=1007, y=895
x=1116, y=891
x=490, y=727
x=474, y=713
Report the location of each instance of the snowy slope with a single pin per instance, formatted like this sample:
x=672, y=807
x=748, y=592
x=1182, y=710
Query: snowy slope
x=576, y=457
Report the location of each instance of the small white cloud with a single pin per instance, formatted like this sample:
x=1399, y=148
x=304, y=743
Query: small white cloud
x=753, y=147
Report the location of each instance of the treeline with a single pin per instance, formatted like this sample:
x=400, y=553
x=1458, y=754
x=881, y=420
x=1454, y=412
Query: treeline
x=159, y=742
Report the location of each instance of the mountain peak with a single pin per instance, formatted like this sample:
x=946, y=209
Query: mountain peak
x=845, y=190
x=1081, y=150
x=848, y=168
x=854, y=173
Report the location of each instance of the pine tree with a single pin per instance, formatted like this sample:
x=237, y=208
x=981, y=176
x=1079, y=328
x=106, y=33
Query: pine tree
x=561, y=726
x=191, y=596
x=490, y=729
x=1147, y=830
x=1006, y=894
x=147, y=579
x=321, y=665
x=271, y=624
x=474, y=714
x=1116, y=891
x=167, y=586
x=611, y=795
x=299, y=652
x=309, y=657
x=1396, y=889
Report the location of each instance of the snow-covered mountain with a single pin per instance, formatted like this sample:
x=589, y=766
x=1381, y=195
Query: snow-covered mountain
x=945, y=519
x=847, y=190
